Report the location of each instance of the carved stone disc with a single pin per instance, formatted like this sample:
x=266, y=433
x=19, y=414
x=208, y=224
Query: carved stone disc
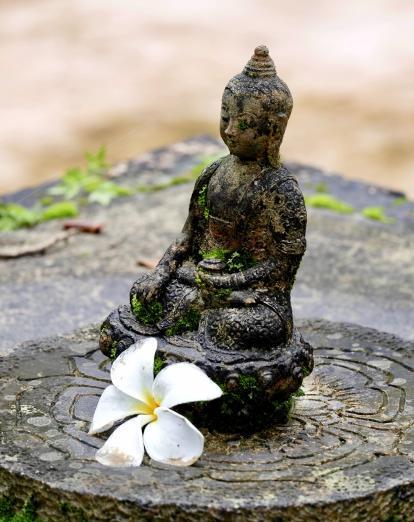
x=346, y=453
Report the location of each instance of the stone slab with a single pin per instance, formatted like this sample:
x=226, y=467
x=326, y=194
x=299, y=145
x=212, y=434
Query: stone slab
x=354, y=269
x=346, y=453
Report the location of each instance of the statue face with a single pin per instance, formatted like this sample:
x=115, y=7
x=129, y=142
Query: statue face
x=244, y=125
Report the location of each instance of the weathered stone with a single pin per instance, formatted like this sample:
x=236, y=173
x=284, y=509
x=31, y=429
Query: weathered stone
x=354, y=269
x=346, y=452
x=226, y=280
x=349, y=443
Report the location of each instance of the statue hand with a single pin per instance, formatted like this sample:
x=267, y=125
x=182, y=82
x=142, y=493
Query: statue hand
x=241, y=298
x=148, y=287
x=187, y=274
x=211, y=280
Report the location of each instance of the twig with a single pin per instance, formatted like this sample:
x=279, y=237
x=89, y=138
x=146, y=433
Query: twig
x=12, y=252
x=83, y=226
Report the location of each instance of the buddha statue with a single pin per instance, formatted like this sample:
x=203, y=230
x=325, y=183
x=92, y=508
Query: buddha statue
x=220, y=295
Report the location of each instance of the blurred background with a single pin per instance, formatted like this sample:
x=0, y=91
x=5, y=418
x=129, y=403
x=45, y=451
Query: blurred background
x=133, y=75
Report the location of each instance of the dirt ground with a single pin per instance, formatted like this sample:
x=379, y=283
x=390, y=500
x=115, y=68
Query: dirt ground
x=134, y=75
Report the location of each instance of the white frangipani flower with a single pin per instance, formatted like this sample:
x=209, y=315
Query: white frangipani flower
x=168, y=437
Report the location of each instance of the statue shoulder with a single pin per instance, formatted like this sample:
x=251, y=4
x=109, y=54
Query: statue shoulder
x=284, y=187
x=281, y=180
x=206, y=174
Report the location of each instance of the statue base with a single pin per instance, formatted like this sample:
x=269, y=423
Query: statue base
x=258, y=384
x=346, y=452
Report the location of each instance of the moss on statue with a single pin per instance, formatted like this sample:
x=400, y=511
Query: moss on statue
x=243, y=125
x=147, y=313
x=236, y=261
x=215, y=253
x=305, y=371
x=187, y=323
x=202, y=201
x=113, y=353
x=243, y=408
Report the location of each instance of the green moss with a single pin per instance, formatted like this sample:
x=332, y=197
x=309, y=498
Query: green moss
x=216, y=298
x=299, y=393
x=159, y=364
x=6, y=508
x=282, y=409
x=197, y=279
x=10, y=513
x=72, y=512
x=113, y=351
x=202, y=196
x=236, y=261
x=202, y=201
x=243, y=408
x=243, y=125
x=239, y=261
x=305, y=371
x=216, y=253
x=63, y=209
x=328, y=202
x=229, y=412
x=377, y=214
x=147, y=313
x=396, y=518
x=247, y=382
x=187, y=323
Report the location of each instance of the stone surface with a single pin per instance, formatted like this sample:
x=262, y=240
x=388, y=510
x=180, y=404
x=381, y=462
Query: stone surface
x=346, y=453
x=354, y=269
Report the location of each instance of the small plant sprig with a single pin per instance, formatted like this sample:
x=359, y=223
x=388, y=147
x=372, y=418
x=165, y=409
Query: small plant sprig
x=91, y=182
x=14, y=216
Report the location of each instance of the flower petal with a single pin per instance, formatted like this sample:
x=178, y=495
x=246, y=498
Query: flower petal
x=125, y=447
x=133, y=371
x=114, y=405
x=183, y=382
x=172, y=439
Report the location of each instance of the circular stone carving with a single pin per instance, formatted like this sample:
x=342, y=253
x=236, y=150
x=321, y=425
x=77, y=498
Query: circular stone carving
x=347, y=450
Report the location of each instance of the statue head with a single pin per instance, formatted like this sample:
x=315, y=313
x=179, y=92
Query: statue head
x=256, y=106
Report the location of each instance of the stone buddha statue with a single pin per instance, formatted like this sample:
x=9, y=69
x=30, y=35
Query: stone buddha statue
x=223, y=287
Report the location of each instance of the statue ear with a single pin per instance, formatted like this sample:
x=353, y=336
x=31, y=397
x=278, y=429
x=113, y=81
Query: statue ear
x=277, y=129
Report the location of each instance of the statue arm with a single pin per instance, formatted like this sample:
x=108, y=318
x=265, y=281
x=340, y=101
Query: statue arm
x=181, y=247
x=148, y=286
x=241, y=280
x=194, y=224
x=287, y=219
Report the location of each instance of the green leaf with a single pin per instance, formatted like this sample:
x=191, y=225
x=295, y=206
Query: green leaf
x=329, y=202
x=14, y=216
x=63, y=209
x=377, y=214
x=96, y=163
x=106, y=192
x=70, y=185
